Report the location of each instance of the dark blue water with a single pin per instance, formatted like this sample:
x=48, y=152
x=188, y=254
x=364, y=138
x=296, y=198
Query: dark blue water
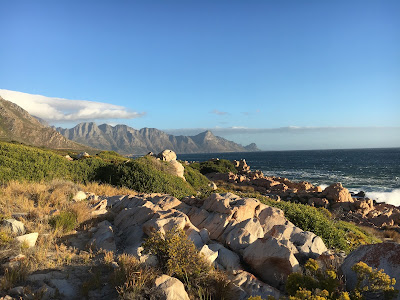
x=375, y=171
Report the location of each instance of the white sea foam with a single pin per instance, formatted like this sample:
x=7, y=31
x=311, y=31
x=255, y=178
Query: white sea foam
x=323, y=186
x=392, y=197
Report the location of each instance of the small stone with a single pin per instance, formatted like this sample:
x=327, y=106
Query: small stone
x=15, y=226
x=28, y=239
x=79, y=196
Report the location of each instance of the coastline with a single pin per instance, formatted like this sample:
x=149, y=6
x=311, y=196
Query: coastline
x=373, y=171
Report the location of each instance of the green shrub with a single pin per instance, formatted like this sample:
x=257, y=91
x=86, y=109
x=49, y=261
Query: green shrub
x=176, y=254
x=215, y=166
x=315, y=283
x=65, y=221
x=373, y=282
x=145, y=175
x=197, y=180
x=178, y=257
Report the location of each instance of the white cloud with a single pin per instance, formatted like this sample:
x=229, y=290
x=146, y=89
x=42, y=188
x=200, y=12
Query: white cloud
x=219, y=113
x=58, y=109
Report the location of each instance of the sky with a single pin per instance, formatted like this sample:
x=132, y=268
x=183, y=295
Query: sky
x=284, y=74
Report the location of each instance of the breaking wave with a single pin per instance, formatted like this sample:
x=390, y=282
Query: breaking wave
x=392, y=197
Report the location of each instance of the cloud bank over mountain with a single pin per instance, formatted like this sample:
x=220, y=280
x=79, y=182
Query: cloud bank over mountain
x=64, y=110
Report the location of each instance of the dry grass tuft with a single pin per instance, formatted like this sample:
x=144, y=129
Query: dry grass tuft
x=106, y=189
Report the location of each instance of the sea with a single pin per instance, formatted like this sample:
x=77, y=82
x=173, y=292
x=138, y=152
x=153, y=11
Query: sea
x=374, y=171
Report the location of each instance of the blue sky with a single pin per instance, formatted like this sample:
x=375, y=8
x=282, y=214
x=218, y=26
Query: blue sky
x=213, y=64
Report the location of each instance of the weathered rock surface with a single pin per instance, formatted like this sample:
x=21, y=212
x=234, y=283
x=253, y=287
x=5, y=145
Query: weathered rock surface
x=170, y=288
x=167, y=155
x=384, y=256
x=272, y=260
x=28, y=239
x=225, y=228
x=104, y=238
x=79, y=196
x=14, y=226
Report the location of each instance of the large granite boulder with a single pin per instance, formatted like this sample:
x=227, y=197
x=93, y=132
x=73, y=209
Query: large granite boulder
x=384, y=256
x=167, y=155
x=170, y=288
x=272, y=260
x=337, y=193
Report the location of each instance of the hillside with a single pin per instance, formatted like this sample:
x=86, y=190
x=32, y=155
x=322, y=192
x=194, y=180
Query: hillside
x=127, y=140
x=16, y=124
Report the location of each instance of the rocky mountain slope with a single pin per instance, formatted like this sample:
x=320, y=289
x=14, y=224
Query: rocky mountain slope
x=127, y=140
x=16, y=124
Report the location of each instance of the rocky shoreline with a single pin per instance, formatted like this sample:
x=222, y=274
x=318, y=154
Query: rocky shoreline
x=348, y=206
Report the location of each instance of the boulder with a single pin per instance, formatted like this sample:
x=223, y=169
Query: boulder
x=104, y=237
x=167, y=155
x=271, y=260
x=337, y=193
x=14, y=226
x=209, y=254
x=169, y=288
x=243, y=234
x=177, y=169
x=228, y=259
x=318, y=202
x=378, y=256
x=99, y=208
x=82, y=155
x=254, y=287
x=307, y=244
x=79, y=196
x=28, y=239
x=163, y=221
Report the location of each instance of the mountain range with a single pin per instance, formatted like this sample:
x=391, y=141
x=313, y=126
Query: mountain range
x=127, y=140
x=16, y=124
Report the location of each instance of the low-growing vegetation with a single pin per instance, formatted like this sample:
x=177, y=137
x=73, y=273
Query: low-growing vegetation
x=214, y=166
x=325, y=284
x=178, y=257
x=144, y=174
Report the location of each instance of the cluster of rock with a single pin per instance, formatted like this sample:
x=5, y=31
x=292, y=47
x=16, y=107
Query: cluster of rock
x=253, y=243
x=356, y=208
x=17, y=229
x=237, y=235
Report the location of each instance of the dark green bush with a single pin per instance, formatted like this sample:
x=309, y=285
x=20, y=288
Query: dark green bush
x=197, y=180
x=143, y=175
x=215, y=166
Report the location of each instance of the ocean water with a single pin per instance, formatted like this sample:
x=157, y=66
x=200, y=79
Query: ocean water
x=374, y=171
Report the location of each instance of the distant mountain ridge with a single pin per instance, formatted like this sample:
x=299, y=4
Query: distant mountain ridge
x=16, y=124
x=127, y=140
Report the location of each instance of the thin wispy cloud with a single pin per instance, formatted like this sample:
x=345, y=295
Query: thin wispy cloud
x=249, y=113
x=219, y=113
x=58, y=109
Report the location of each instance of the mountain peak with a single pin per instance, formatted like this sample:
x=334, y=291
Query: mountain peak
x=16, y=124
